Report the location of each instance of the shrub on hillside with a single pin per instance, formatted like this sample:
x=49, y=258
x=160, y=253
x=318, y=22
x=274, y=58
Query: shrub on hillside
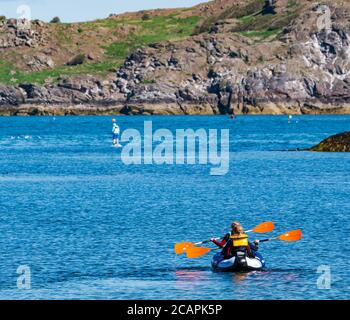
x=55, y=20
x=146, y=17
x=212, y=73
x=77, y=60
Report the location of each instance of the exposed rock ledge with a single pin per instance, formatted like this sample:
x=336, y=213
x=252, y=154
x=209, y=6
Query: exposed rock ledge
x=117, y=108
x=337, y=143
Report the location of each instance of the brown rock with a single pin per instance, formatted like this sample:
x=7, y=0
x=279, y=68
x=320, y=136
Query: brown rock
x=336, y=143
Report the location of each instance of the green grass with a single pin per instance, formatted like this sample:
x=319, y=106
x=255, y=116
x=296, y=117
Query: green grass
x=5, y=69
x=247, y=19
x=154, y=30
x=261, y=35
x=266, y=26
x=41, y=76
x=252, y=7
x=292, y=4
x=151, y=31
x=63, y=36
x=252, y=21
x=260, y=27
x=148, y=81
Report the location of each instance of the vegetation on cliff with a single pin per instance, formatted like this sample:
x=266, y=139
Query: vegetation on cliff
x=107, y=42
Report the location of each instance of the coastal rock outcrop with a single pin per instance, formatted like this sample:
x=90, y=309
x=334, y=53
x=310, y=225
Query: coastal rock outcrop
x=21, y=33
x=300, y=68
x=305, y=71
x=336, y=143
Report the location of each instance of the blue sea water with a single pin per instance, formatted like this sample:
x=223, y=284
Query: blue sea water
x=90, y=227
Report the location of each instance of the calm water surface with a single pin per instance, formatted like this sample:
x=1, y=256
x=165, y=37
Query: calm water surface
x=90, y=227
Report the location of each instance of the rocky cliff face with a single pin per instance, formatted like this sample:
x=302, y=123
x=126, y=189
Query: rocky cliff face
x=302, y=68
x=305, y=70
x=19, y=33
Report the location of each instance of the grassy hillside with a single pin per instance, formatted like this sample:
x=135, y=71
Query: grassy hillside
x=254, y=19
x=111, y=41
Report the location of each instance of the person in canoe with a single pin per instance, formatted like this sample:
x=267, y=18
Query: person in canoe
x=236, y=240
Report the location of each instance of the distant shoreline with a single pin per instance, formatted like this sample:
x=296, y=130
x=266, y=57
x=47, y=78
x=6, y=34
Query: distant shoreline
x=109, y=109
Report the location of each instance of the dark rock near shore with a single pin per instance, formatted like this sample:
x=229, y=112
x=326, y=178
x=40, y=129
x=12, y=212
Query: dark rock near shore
x=337, y=143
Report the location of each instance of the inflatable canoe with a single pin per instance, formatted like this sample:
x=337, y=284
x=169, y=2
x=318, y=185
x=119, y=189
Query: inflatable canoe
x=238, y=263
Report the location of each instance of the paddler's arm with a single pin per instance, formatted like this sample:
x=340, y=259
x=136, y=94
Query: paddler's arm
x=221, y=243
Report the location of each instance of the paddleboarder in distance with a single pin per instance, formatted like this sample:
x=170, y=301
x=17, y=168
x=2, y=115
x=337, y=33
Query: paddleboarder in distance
x=116, y=134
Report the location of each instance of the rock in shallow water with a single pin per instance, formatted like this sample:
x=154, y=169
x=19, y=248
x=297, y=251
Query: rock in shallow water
x=337, y=143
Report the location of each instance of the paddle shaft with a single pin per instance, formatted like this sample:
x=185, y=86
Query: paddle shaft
x=267, y=240
x=207, y=241
x=204, y=242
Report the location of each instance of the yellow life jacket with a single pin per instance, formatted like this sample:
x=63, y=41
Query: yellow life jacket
x=240, y=240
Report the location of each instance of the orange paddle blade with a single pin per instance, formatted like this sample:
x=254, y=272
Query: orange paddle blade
x=294, y=235
x=264, y=227
x=182, y=247
x=197, y=252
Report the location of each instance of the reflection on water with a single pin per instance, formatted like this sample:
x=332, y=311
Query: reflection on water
x=191, y=280
x=190, y=275
x=239, y=277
